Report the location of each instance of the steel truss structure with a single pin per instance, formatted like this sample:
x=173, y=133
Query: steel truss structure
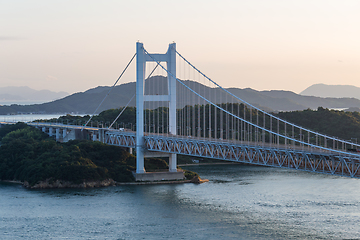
x=326, y=163
x=121, y=139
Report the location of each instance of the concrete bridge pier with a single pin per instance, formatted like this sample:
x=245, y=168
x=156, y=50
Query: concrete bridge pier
x=102, y=135
x=64, y=132
x=71, y=135
x=171, y=174
x=57, y=134
x=172, y=163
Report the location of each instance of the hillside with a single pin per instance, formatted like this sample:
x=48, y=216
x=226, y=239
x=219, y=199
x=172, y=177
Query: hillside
x=344, y=125
x=86, y=102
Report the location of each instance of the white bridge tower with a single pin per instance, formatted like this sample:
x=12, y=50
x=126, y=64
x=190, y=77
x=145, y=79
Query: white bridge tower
x=141, y=58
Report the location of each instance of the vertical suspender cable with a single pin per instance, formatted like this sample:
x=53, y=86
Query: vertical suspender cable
x=293, y=141
x=193, y=110
x=251, y=116
x=238, y=123
x=215, y=117
x=285, y=136
x=257, y=124
x=204, y=113
x=278, y=132
x=271, y=135
x=210, y=122
x=263, y=131
x=198, y=115
x=233, y=121
x=244, y=122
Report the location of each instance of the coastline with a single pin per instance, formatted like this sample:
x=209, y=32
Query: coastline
x=48, y=184
x=96, y=184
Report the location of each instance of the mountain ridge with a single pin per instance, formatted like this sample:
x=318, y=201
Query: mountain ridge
x=25, y=93
x=86, y=102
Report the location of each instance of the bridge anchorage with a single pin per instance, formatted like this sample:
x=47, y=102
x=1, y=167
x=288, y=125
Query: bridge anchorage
x=179, y=110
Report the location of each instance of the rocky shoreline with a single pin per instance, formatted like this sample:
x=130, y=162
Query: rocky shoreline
x=65, y=184
x=49, y=184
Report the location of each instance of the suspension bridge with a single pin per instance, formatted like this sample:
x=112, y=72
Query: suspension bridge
x=180, y=110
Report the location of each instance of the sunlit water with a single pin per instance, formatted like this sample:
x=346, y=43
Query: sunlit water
x=239, y=202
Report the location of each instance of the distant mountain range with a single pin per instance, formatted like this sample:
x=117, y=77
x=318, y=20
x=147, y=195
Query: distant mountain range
x=334, y=91
x=86, y=102
x=28, y=94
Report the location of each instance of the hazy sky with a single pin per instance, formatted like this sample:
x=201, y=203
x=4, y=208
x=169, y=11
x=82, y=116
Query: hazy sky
x=262, y=44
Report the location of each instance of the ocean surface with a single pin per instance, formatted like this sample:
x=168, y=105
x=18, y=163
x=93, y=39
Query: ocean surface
x=238, y=202
x=31, y=117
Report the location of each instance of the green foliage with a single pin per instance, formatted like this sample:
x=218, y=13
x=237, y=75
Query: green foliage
x=27, y=154
x=11, y=127
x=190, y=175
x=153, y=164
x=344, y=125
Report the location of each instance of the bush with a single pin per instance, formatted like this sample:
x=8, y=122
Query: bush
x=190, y=175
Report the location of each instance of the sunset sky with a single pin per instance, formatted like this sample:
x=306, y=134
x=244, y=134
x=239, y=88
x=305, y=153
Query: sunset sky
x=262, y=44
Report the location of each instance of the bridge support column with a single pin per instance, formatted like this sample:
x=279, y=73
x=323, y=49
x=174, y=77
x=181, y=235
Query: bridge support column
x=172, y=163
x=57, y=134
x=141, y=58
x=102, y=135
x=171, y=65
x=140, y=79
x=51, y=131
x=43, y=129
x=64, y=133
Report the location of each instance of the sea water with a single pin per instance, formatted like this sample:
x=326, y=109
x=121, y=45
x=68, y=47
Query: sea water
x=238, y=202
x=32, y=117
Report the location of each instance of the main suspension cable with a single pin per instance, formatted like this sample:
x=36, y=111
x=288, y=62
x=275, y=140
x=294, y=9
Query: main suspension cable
x=109, y=92
x=264, y=112
x=130, y=101
x=245, y=121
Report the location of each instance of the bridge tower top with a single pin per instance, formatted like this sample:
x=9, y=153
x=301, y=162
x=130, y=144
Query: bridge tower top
x=141, y=58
